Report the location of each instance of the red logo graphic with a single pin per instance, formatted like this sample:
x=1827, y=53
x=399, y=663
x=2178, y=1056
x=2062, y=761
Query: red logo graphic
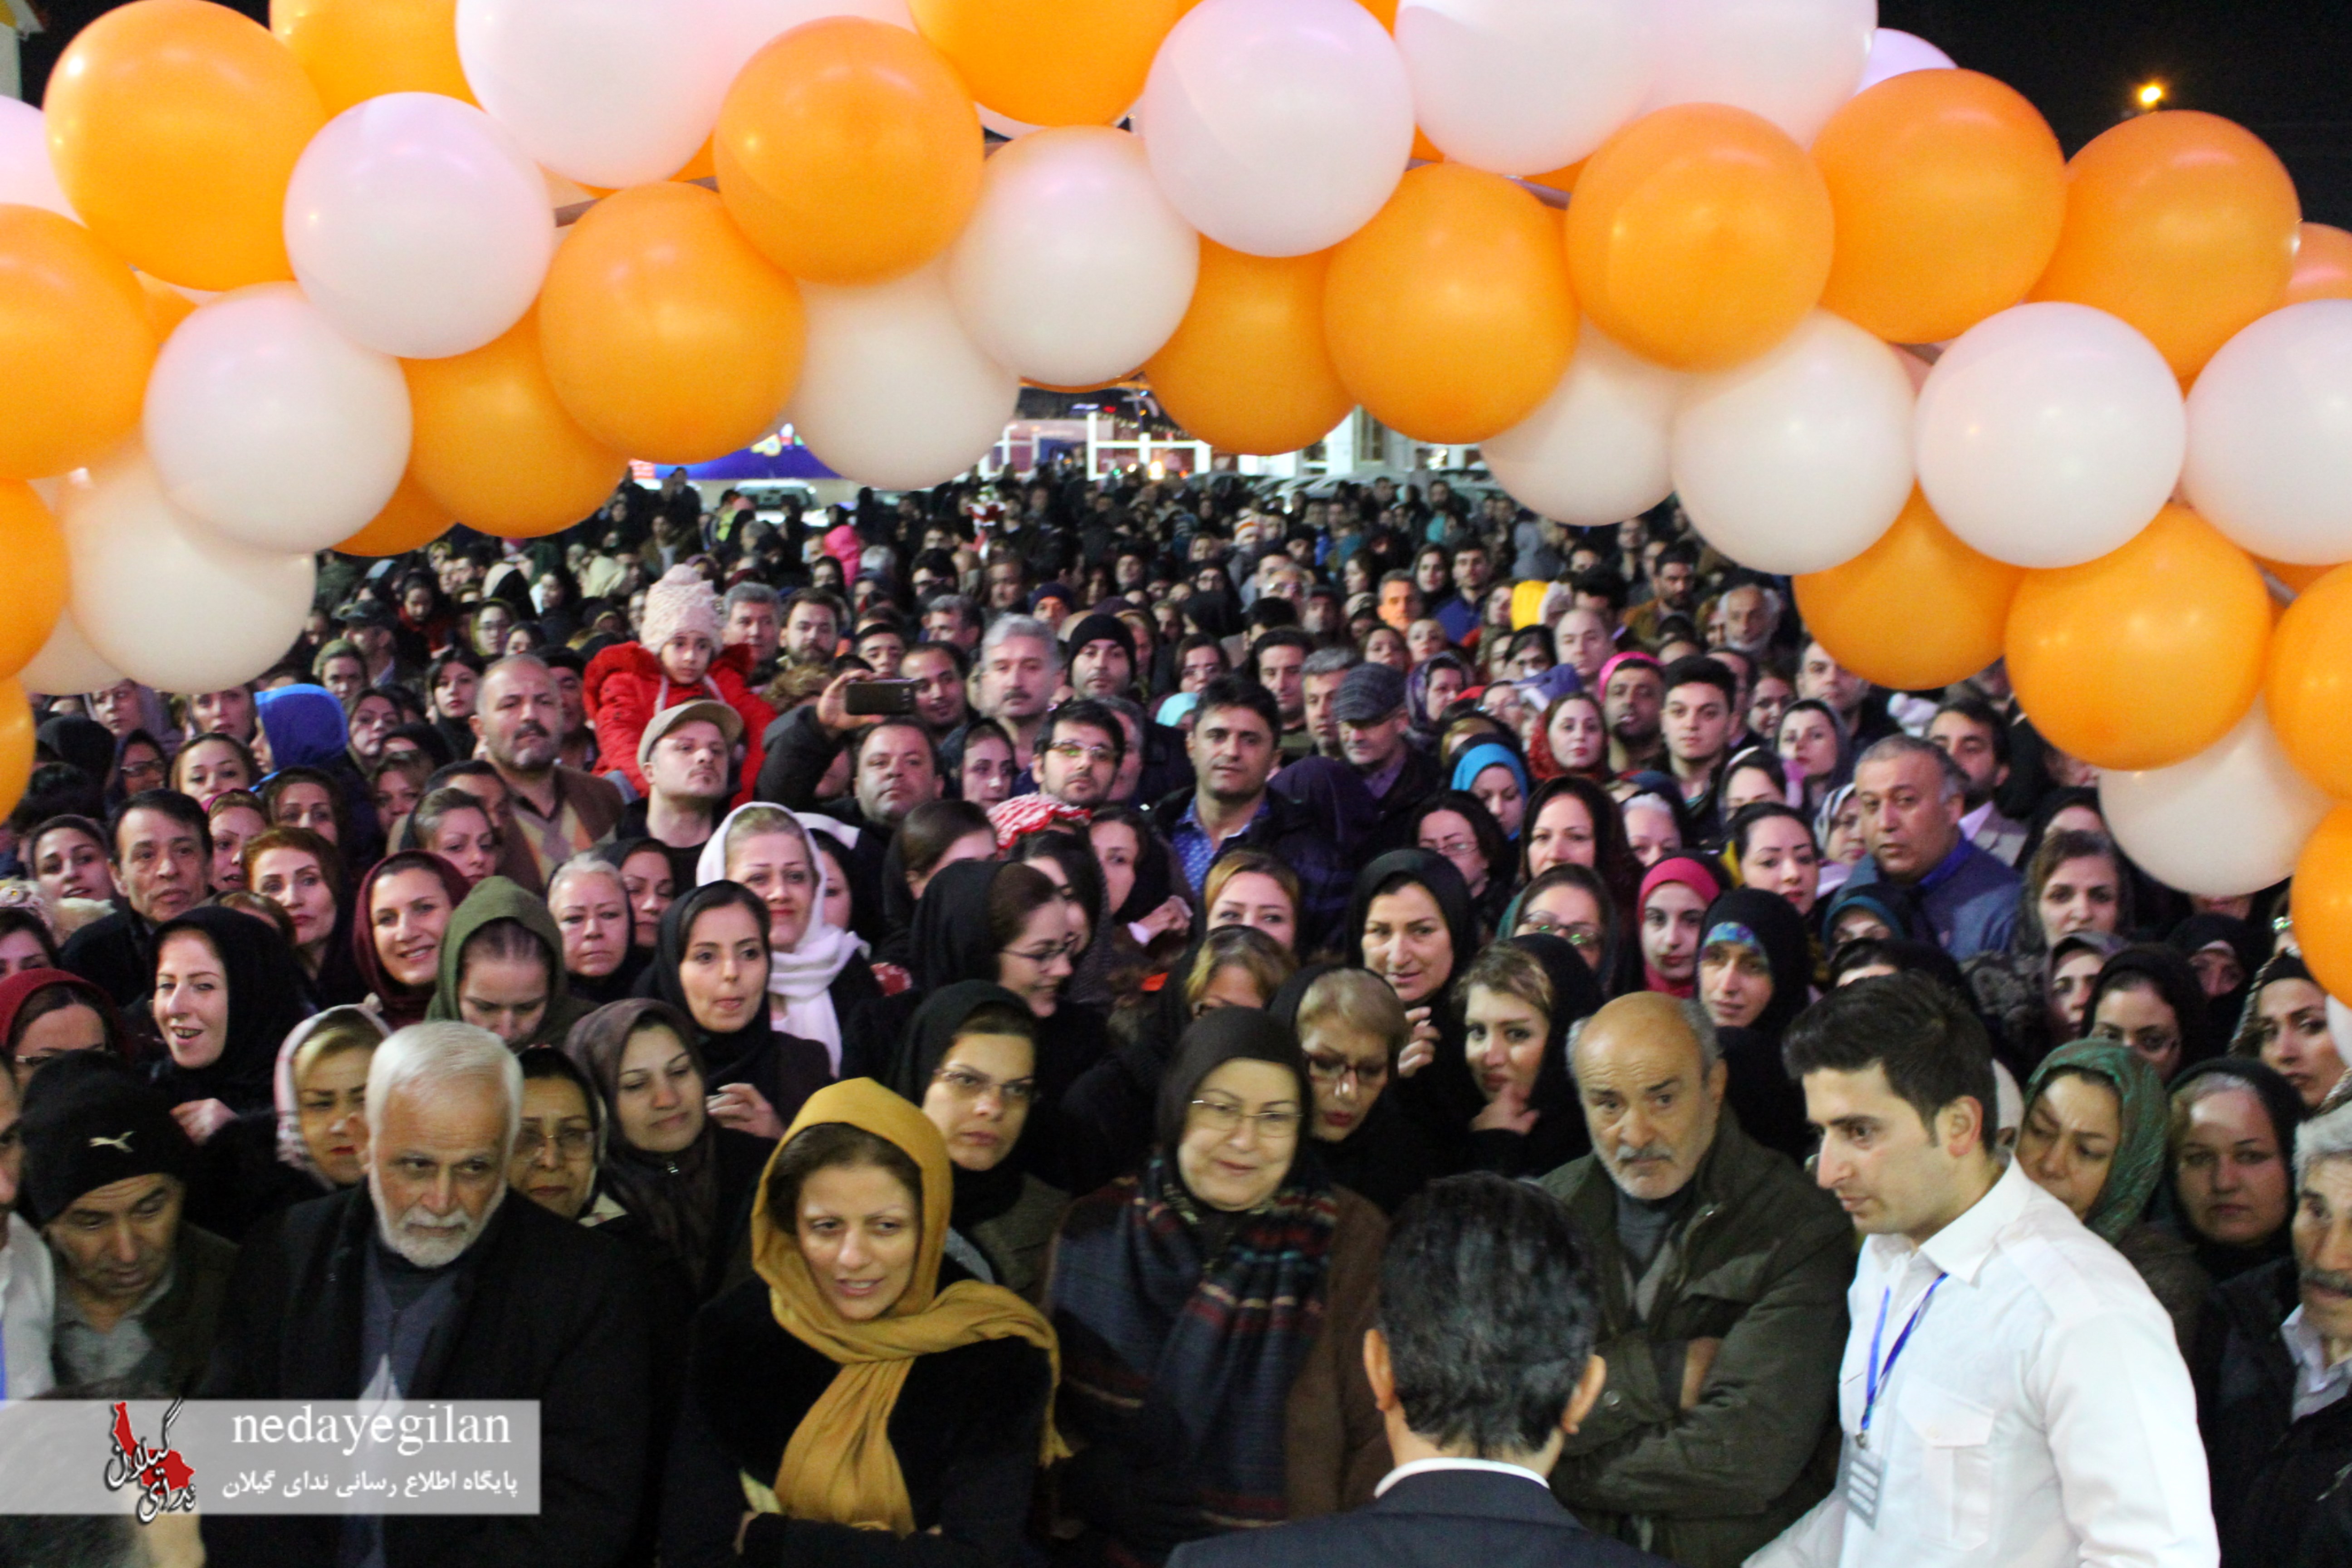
x=166, y=1482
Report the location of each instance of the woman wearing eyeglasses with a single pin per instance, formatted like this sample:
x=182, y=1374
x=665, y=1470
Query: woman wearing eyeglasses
x=1192, y=1378
x=971, y=1064
x=1351, y=1029
x=688, y=1179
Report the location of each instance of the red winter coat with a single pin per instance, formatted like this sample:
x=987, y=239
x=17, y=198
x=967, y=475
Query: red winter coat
x=624, y=686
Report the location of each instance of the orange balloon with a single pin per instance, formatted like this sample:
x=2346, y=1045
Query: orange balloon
x=699, y=166
x=175, y=125
x=2323, y=903
x=2323, y=265
x=1699, y=236
x=2146, y=655
x=2310, y=681
x=356, y=49
x=1050, y=62
x=410, y=521
x=2181, y=223
x=1949, y=189
x=1914, y=611
x=654, y=291
x=1247, y=370
x=1449, y=316
x=849, y=151
x=494, y=447
x=33, y=554
x=16, y=742
x=74, y=346
x=1383, y=11
x=166, y=306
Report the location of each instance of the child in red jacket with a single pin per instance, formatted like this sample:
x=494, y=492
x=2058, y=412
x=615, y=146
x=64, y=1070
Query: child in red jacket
x=680, y=660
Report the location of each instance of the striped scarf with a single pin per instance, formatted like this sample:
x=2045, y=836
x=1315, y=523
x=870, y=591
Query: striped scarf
x=1182, y=1351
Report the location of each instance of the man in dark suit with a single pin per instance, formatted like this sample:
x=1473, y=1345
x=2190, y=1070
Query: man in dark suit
x=1482, y=1364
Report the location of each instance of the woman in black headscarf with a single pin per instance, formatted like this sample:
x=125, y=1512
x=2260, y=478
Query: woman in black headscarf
x=227, y=990
x=1519, y=999
x=687, y=1178
x=1351, y=1029
x=1754, y=975
x=2232, y=1164
x=2226, y=952
x=2147, y=998
x=723, y=995
x=1411, y=922
x=971, y=1064
x=1211, y=1312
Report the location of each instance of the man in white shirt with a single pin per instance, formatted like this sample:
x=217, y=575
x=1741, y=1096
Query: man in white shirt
x=28, y=1287
x=2011, y=1395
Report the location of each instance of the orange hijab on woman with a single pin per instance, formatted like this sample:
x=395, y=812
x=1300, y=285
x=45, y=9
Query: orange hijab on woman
x=839, y=1466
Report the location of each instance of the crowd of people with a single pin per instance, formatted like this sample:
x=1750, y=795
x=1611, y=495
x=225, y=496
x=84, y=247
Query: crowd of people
x=1081, y=1020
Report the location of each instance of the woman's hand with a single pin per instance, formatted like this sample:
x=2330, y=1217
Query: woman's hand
x=200, y=1118
x=1507, y=1113
x=1422, y=1049
x=1175, y=915
x=746, y=1110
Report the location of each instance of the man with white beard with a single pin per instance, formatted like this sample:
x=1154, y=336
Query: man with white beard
x=424, y=1283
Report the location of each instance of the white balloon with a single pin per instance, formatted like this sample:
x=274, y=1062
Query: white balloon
x=1893, y=52
x=2048, y=434
x=744, y=27
x=1278, y=127
x=1798, y=461
x=1596, y=451
x=606, y=92
x=1793, y=61
x=169, y=602
x=2270, y=436
x=2230, y=820
x=68, y=664
x=1524, y=87
x=272, y=426
x=418, y=226
x=893, y=392
x=1073, y=268
x=27, y=177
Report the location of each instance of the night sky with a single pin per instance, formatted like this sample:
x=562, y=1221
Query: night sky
x=2283, y=69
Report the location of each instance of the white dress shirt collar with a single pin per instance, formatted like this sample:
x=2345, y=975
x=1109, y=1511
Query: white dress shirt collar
x=2317, y=1384
x=1427, y=1467
x=1963, y=1247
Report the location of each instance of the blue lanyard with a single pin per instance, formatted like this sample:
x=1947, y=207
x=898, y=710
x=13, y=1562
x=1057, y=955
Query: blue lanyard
x=1879, y=1376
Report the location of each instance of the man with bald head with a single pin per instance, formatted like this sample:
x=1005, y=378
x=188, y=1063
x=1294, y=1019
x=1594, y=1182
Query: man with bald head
x=1722, y=1275
x=560, y=812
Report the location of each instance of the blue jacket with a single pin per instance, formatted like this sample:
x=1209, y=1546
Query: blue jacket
x=1967, y=905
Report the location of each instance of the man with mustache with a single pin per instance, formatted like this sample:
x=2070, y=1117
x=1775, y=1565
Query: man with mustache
x=427, y=1282
x=2273, y=1364
x=1714, y=1433
x=560, y=812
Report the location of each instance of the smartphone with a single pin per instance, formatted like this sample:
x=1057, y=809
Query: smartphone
x=878, y=699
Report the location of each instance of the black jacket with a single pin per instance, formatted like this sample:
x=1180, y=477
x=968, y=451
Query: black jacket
x=1438, y=1519
x=2281, y=1488
x=1396, y=826
x=1293, y=835
x=546, y=1310
x=966, y=1431
x=116, y=953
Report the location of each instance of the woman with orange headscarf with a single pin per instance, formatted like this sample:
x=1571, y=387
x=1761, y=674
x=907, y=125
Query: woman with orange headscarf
x=863, y=1387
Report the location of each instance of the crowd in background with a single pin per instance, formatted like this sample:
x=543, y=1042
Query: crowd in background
x=960, y=986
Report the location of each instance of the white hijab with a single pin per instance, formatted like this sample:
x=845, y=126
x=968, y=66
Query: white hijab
x=800, y=977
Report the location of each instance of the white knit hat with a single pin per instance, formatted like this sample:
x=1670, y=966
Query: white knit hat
x=681, y=601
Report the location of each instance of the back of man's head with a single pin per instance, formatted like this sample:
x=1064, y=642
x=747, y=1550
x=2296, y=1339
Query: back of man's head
x=1487, y=1306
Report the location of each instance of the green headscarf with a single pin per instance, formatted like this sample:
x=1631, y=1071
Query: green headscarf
x=498, y=899
x=2143, y=1117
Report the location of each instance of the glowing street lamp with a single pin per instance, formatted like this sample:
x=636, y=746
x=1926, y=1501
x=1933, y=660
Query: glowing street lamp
x=2151, y=95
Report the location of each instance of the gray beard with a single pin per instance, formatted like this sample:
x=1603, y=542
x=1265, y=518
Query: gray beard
x=433, y=1252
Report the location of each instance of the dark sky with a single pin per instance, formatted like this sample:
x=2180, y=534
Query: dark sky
x=2283, y=69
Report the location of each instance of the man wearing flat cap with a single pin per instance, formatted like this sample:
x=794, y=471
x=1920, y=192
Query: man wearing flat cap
x=1374, y=725
x=106, y=1179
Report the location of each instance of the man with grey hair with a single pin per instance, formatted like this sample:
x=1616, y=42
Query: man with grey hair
x=2273, y=1368
x=1722, y=1276
x=754, y=618
x=1019, y=666
x=1912, y=796
x=423, y=1283
x=1318, y=685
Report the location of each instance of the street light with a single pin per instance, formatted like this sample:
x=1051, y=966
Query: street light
x=2151, y=95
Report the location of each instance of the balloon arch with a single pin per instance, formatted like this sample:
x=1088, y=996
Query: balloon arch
x=266, y=291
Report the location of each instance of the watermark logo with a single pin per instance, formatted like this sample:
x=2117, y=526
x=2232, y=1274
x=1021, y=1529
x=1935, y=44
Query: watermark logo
x=166, y=1482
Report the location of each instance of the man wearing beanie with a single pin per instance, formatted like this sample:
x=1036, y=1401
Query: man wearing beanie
x=106, y=1177
x=1101, y=653
x=27, y=1284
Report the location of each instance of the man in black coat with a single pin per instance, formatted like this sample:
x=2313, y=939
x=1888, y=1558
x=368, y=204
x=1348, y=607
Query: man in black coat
x=429, y=1283
x=1483, y=1366
x=2274, y=1369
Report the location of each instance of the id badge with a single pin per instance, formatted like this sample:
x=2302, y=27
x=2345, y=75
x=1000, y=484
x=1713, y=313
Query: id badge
x=1860, y=1474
